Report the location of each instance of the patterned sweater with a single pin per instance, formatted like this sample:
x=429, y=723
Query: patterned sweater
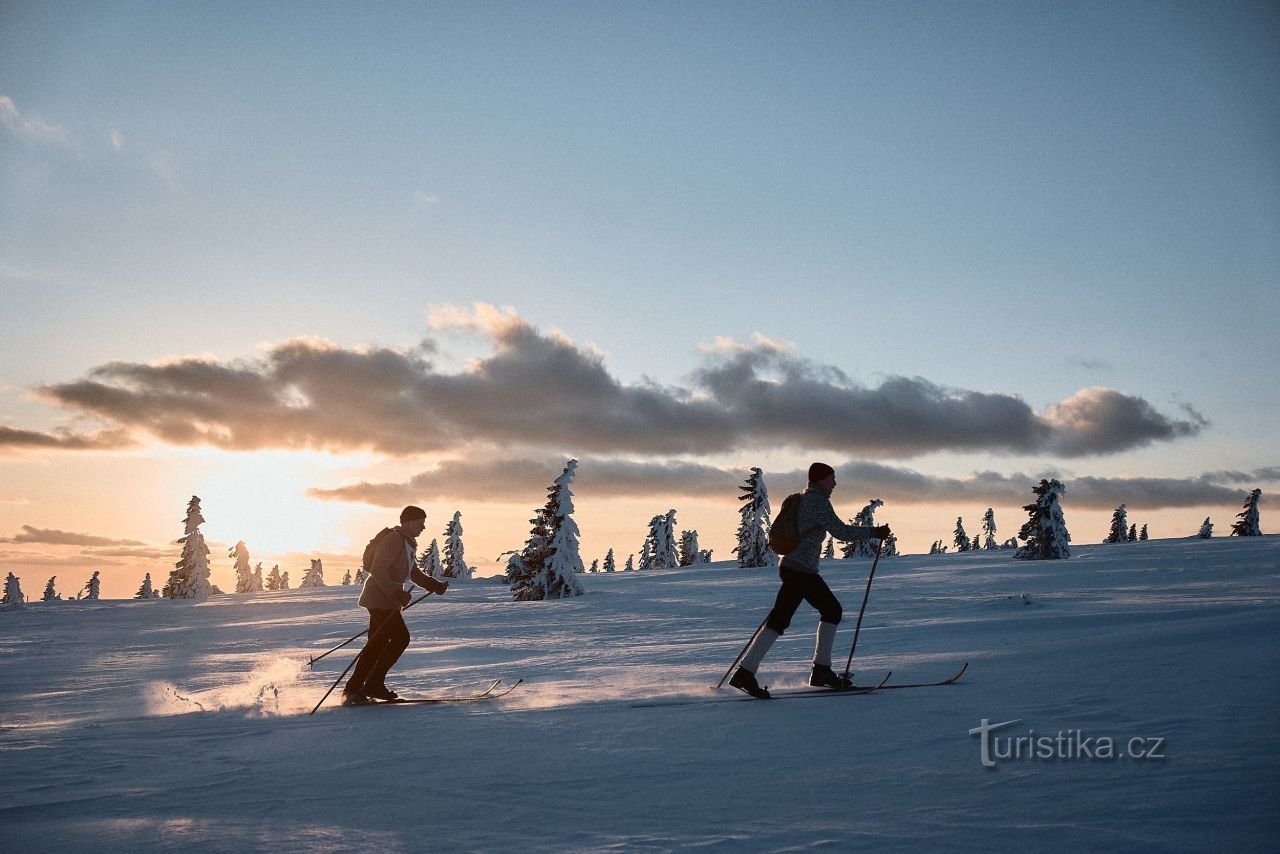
x=817, y=514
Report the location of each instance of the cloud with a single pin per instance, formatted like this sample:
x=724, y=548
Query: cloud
x=64, y=440
x=543, y=391
x=53, y=537
x=30, y=128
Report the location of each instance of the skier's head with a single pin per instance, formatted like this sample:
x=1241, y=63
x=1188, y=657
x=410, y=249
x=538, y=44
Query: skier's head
x=413, y=520
x=822, y=476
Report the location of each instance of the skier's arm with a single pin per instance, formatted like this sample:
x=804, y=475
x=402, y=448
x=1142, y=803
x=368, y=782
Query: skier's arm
x=436, y=585
x=832, y=524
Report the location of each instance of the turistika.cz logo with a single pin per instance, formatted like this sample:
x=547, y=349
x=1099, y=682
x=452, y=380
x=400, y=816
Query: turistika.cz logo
x=1070, y=745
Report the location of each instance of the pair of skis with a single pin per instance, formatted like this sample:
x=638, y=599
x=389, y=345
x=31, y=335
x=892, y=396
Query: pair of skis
x=493, y=692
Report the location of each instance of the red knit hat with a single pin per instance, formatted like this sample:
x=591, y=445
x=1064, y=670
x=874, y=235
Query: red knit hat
x=820, y=471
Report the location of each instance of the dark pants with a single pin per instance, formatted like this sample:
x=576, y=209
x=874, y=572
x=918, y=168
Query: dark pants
x=800, y=587
x=388, y=638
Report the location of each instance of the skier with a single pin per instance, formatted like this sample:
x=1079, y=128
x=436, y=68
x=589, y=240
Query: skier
x=390, y=565
x=801, y=581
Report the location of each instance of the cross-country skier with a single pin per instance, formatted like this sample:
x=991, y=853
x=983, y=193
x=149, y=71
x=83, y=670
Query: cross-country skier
x=801, y=581
x=391, y=564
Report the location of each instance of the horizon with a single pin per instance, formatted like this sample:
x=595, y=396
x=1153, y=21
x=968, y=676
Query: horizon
x=312, y=265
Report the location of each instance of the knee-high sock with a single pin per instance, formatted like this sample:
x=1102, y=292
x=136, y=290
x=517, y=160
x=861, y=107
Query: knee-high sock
x=826, y=640
x=758, y=649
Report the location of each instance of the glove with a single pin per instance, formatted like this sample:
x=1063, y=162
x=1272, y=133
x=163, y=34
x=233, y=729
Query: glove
x=404, y=598
x=881, y=532
x=437, y=586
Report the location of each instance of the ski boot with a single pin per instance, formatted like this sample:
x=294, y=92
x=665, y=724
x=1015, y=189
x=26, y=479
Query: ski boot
x=744, y=680
x=822, y=676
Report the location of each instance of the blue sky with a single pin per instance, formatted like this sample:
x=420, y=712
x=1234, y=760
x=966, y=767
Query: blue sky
x=1013, y=199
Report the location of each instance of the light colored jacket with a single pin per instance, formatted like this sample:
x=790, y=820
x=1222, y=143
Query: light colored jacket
x=392, y=565
x=818, y=518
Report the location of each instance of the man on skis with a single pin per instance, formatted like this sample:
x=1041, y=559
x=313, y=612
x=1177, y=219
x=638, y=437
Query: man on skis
x=801, y=582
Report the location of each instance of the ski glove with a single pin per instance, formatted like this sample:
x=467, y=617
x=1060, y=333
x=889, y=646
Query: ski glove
x=437, y=586
x=881, y=532
x=404, y=598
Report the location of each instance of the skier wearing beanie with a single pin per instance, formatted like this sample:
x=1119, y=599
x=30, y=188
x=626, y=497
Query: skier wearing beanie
x=389, y=562
x=801, y=581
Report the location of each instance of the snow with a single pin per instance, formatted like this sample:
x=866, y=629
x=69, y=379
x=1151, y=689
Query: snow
x=153, y=725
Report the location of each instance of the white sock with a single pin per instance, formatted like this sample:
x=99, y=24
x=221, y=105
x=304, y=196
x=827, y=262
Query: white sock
x=758, y=649
x=826, y=640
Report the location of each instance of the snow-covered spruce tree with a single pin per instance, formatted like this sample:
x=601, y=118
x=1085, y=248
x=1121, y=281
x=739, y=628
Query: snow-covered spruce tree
x=273, y=578
x=609, y=564
x=361, y=575
x=650, y=541
x=346, y=579
x=1132, y=536
x=244, y=576
x=890, y=546
x=314, y=576
x=704, y=555
x=429, y=562
x=255, y=581
x=595, y=565
x=961, y=539
x=190, y=576
x=49, y=594
x=753, y=528
x=1249, y=522
x=454, y=564
x=549, y=565
x=866, y=517
x=1045, y=531
x=688, y=548
x=145, y=591
x=1119, y=526
x=13, y=592
x=284, y=580
x=92, y=587
x=829, y=551
x=630, y=565
x=665, y=554
x=989, y=530
x=1142, y=535
x=1206, y=529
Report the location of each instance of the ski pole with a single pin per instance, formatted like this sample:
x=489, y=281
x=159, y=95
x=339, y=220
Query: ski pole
x=361, y=652
x=355, y=638
x=743, y=652
x=858, y=628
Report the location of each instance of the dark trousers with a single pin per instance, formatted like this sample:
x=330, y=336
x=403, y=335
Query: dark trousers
x=388, y=638
x=800, y=587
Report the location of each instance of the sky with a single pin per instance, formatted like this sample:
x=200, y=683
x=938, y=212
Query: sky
x=312, y=263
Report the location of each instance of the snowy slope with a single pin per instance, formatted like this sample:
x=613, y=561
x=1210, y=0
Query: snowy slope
x=145, y=726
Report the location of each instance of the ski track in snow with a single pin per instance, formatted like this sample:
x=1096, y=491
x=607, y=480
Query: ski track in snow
x=149, y=726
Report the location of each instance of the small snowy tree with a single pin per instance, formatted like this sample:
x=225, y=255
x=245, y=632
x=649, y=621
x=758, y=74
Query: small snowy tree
x=1045, y=531
x=92, y=587
x=361, y=575
x=454, y=564
x=665, y=554
x=866, y=518
x=255, y=581
x=314, y=576
x=595, y=565
x=284, y=581
x=630, y=565
x=13, y=592
x=829, y=551
x=890, y=546
x=609, y=564
x=753, y=528
x=961, y=540
x=190, y=576
x=244, y=576
x=1132, y=536
x=145, y=591
x=429, y=562
x=549, y=565
x=1206, y=529
x=1142, y=535
x=704, y=556
x=650, y=540
x=49, y=594
x=1249, y=522
x=688, y=548
x=346, y=579
x=989, y=530
x=1119, y=526
x=273, y=578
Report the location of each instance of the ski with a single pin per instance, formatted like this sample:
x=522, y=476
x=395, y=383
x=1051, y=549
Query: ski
x=797, y=693
x=490, y=693
x=948, y=681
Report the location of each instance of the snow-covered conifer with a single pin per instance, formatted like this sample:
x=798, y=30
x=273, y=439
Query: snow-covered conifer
x=454, y=564
x=145, y=591
x=314, y=576
x=595, y=565
x=866, y=518
x=1132, y=536
x=1206, y=529
x=989, y=530
x=13, y=592
x=255, y=581
x=630, y=565
x=704, y=555
x=961, y=540
x=829, y=551
x=284, y=580
x=1045, y=529
x=346, y=579
x=429, y=562
x=665, y=554
x=190, y=576
x=49, y=594
x=92, y=587
x=361, y=575
x=688, y=548
x=1142, y=535
x=549, y=564
x=650, y=540
x=273, y=578
x=244, y=576
x=609, y=564
x=753, y=527
x=890, y=546
x=1249, y=522
x=1119, y=526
